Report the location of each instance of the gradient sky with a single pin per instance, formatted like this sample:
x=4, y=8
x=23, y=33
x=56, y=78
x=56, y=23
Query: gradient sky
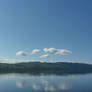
x=29, y=24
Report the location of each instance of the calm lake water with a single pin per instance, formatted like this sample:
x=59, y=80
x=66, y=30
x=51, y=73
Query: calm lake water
x=45, y=83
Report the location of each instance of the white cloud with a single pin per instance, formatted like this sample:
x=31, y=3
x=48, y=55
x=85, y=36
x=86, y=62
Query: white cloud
x=36, y=51
x=57, y=51
x=50, y=50
x=21, y=53
x=44, y=56
x=63, y=52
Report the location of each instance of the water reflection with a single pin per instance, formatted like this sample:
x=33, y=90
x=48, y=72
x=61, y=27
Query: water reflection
x=47, y=86
x=44, y=83
x=52, y=83
x=36, y=87
x=21, y=84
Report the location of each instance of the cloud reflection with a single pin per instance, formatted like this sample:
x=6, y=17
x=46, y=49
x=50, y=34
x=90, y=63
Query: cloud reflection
x=46, y=85
x=21, y=84
x=38, y=83
x=64, y=86
x=36, y=87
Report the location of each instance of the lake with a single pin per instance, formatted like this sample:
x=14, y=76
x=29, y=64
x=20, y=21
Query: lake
x=45, y=83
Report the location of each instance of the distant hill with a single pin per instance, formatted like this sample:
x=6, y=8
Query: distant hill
x=46, y=68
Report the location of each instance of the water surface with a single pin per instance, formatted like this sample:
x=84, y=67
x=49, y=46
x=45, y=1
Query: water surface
x=45, y=83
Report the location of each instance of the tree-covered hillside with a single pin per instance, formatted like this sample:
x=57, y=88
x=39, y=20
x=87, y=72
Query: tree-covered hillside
x=46, y=68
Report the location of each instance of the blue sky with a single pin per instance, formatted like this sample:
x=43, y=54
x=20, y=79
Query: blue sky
x=30, y=24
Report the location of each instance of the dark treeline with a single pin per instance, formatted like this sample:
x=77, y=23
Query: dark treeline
x=46, y=68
